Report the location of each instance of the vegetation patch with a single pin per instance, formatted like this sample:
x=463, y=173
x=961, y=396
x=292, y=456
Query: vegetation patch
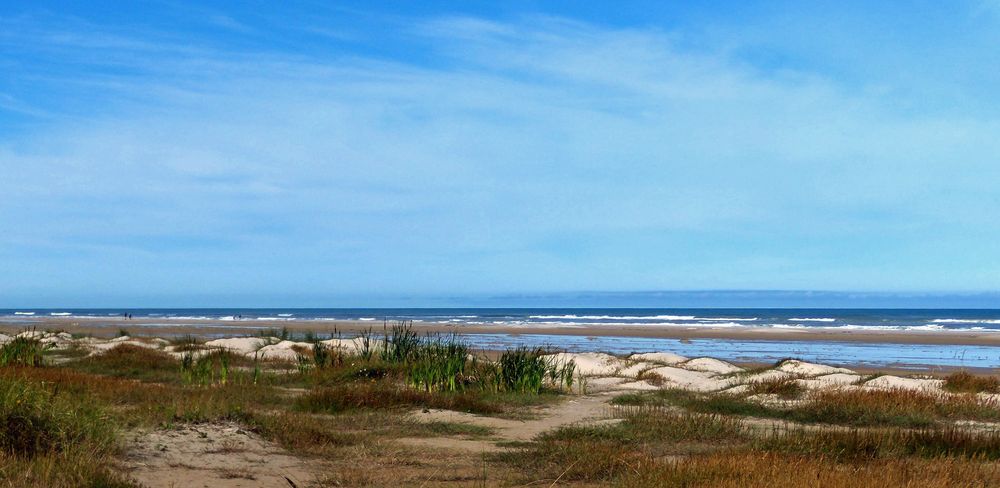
x=965, y=382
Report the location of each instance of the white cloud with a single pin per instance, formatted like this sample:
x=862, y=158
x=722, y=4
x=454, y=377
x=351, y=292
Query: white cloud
x=520, y=134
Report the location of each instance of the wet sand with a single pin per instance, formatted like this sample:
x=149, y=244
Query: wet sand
x=98, y=326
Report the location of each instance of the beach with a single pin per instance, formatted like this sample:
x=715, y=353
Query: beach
x=262, y=410
x=108, y=325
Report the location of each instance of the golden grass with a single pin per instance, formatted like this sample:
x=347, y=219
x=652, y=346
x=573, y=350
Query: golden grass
x=964, y=382
x=751, y=469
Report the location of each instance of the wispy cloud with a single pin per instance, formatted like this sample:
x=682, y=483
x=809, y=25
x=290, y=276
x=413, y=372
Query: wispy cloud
x=541, y=153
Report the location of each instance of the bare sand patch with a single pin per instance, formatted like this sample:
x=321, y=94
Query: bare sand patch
x=222, y=455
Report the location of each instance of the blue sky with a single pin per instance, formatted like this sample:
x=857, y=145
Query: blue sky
x=312, y=153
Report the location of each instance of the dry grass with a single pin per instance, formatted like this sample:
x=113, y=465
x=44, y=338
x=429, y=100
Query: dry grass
x=965, y=382
x=783, y=387
x=850, y=407
x=752, y=469
x=386, y=395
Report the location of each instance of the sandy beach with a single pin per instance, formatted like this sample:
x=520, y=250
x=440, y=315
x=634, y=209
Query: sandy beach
x=102, y=326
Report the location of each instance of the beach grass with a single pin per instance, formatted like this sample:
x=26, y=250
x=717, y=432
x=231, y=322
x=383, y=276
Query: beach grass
x=22, y=351
x=62, y=423
x=965, y=382
x=849, y=407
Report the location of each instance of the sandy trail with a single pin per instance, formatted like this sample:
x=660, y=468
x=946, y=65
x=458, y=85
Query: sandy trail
x=584, y=409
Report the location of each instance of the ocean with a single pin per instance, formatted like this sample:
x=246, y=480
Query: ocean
x=785, y=318
x=919, y=357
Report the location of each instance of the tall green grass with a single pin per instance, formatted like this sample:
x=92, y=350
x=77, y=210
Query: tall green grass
x=525, y=370
x=444, y=363
x=22, y=351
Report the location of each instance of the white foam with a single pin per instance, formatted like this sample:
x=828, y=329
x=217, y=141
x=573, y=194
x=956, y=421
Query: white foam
x=965, y=321
x=641, y=317
x=812, y=320
x=367, y=319
x=60, y=314
x=24, y=313
x=788, y=326
x=925, y=327
x=286, y=314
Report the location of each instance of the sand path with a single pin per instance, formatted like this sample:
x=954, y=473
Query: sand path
x=578, y=410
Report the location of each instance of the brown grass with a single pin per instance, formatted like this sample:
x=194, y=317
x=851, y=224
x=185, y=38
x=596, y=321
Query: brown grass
x=751, y=469
x=964, y=382
x=783, y=387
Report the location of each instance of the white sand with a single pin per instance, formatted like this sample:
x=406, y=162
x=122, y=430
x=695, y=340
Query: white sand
x=668, y=358
x=889, y=382
x=688, y=380
x=242, y=345
x=803, y=368
x=598, y=384
x=830, y=381
x=638, y=386
x=769, y=375
x=589, y=363
x=283, y=351
x=637, y=368
x=711, y=365
x=352, y=346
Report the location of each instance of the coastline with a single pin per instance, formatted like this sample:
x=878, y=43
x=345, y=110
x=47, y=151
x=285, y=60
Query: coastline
x=103, y=326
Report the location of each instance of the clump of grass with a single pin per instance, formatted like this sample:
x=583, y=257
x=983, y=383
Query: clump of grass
x=438, y=364
x=34, y=420
x=964, y=382
x=123, y=333
x=520, y=369
x=186, y=342
x=213, y=368
x=366, y=349
x=786, y=388
x=130, y=361
x=399, y=344
x=22, y=351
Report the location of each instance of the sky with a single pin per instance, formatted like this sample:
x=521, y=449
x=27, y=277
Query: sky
x=173, y=153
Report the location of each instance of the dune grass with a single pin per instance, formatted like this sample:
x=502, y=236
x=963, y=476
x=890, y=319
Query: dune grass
x=965, y=382
x=656, y=446
x=901, y=408
x=22, y=351
x=49, y=439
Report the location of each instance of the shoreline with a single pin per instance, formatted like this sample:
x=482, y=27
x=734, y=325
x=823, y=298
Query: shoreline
x=103, y=326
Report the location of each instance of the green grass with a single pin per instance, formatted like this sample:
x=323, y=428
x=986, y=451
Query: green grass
x=22, y=351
